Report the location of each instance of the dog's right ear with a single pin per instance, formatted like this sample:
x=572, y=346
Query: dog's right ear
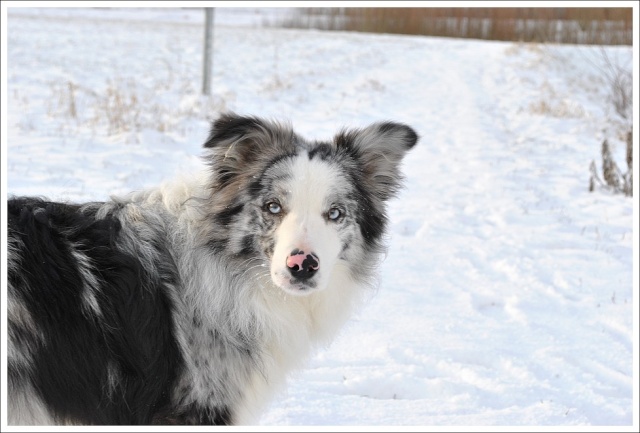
x=237, y=143
x=229, y=128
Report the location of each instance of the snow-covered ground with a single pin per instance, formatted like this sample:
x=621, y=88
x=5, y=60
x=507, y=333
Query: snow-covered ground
x=507, y=297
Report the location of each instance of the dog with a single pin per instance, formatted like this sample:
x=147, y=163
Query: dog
x=189, y=303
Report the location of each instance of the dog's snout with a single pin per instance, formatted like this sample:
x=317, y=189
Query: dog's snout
x=302, y=265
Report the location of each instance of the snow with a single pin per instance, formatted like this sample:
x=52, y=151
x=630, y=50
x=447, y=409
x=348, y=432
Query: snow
x=508, y=296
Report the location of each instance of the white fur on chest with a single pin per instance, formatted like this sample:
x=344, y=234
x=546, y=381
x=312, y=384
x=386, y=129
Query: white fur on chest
x=225, y=318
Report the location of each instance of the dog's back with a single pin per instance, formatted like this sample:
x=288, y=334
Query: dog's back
x=89, y=327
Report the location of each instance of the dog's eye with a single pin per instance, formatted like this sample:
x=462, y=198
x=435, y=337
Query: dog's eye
x=274, y=207
x=334, y=214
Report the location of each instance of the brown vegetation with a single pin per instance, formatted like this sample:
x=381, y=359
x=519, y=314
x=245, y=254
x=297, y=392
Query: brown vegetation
x=601, y=26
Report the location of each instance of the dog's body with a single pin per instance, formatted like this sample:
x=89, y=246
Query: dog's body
x=189, y=303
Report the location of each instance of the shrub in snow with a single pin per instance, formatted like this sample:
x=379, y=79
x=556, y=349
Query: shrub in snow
x=614, y=179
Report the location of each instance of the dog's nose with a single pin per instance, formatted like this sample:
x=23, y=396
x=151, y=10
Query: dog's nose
x=301, y=265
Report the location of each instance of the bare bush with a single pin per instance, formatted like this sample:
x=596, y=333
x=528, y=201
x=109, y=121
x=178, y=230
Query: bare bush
x=621, y=91
x=610, y=171
x=64, y=101
x=120, y=106
x=618, y=77
x=612, y=177
x=629, y=175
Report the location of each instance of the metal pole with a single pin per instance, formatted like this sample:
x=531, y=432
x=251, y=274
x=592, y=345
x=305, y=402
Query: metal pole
x=208, y=52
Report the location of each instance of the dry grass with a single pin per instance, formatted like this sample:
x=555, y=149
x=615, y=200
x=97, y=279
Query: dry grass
x=122, y=106
x=601, y=26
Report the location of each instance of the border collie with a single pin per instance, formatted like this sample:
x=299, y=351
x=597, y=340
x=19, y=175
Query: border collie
x=190, y=302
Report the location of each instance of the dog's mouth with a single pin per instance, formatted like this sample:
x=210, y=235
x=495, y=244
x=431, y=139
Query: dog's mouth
x=299, y=287
x=295, y=286
x=302, y=285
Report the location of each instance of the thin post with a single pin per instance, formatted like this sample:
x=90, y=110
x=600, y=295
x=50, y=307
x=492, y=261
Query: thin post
x=208, y=52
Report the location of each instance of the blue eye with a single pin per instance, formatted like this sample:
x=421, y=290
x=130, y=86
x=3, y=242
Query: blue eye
x=334, y=214
x=274, y=208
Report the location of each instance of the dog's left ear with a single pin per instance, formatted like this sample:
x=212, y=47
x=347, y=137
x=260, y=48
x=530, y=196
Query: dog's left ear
x=380, y=149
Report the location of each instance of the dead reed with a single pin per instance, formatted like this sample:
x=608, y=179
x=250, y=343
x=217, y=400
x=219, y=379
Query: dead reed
x=600, y=26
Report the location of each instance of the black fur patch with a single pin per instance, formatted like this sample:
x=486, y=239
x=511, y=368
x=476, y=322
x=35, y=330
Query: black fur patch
x=226, y=216
x=372, y=221
x=132, y=336
x=410, y=136
x=264, y=180
x=322, y=150
x=217, y=245
x=248, y=247
x=195, y=415
x=229, y=127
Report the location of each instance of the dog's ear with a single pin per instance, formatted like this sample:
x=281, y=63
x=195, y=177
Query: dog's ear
x=236, y=143
x=379, y=149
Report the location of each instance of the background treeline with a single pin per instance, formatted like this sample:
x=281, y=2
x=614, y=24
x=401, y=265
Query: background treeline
x=600, y=26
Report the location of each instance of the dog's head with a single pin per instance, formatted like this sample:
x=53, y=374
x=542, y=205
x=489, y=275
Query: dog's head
x=304, y=213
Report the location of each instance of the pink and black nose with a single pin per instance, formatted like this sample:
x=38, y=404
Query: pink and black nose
x=302, y=266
